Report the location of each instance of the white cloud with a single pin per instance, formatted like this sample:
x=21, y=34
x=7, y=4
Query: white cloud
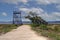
x=51, y=17
x=43, y=2
x=14, y=1
x=48, y=1
x=4, y=14
x=27, y=10
x=56, y=13
x=36, y=10
x=38, y=1
x=55, y=16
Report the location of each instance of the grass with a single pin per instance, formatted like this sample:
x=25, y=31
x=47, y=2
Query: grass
x=4, y=28
x=51, y=31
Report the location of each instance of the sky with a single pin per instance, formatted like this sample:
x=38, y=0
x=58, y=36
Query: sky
x=49, y=10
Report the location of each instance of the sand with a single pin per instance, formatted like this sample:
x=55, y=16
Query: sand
x=23, y=32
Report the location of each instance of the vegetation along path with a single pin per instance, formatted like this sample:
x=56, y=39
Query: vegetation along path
x=23, y=32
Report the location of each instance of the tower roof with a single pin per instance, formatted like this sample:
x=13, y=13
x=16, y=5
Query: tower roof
x=17, y=12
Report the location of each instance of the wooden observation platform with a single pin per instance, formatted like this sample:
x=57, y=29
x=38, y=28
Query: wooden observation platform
x=17, y=17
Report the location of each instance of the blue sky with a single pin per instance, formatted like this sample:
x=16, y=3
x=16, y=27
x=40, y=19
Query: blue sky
x=49, y=10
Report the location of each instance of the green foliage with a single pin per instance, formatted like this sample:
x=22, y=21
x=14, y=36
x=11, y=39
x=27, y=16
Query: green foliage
x=52, y=35
x=50, y=31
x=4, y=28
x=43, y=26
x=35, y=19
x=34, y=25
x=57, y=28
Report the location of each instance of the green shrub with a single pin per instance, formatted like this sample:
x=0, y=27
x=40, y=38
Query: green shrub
x=42, y=26
x=34, y=25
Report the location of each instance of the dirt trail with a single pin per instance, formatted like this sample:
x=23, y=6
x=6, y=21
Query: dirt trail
x=23, y=32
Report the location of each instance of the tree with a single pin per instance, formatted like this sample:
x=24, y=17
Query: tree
x=35, y=18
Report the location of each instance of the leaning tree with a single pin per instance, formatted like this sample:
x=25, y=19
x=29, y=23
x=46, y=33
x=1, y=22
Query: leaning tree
x=35, y=18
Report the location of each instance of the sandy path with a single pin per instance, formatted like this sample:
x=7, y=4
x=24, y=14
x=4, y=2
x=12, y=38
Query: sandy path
x=22, y=33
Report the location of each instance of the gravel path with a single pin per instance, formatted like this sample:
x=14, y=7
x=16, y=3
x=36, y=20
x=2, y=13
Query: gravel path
x=23, y=32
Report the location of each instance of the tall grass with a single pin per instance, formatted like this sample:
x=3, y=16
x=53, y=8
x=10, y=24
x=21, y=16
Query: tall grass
x=4, y=28
x=50, y=31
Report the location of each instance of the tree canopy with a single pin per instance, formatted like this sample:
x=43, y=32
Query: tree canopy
x=35, y=18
